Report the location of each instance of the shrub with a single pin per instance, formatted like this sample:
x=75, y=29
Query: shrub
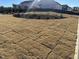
x=16, y=15
x=61, y=15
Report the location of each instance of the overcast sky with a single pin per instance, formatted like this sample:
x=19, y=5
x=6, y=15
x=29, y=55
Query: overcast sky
x=71, y=3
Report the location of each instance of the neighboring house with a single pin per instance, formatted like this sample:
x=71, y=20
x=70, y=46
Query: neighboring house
x=76, y=8
x=16, y=6
x=66, y=8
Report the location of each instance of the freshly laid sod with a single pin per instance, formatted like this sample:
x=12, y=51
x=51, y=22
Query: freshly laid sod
x=37, y=39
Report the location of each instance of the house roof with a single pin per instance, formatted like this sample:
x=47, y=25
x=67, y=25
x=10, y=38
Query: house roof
x=66, y=5
x=28, y=1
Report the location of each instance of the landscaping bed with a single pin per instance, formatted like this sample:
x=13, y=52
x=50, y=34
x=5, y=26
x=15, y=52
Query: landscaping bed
x=38, y=15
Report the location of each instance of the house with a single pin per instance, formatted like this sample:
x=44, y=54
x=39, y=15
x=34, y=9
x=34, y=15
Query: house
x=41, y=4
x=76, y=8
x=66, y=8
x=49, y=4
x=16, y=6
x=24, y=4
